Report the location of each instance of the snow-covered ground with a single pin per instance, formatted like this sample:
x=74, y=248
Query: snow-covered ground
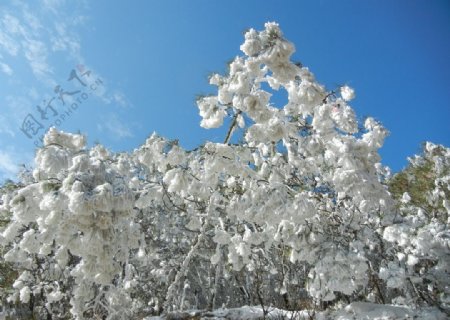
x=356, y=311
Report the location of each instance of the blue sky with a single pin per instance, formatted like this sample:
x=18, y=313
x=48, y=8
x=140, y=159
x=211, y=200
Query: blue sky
x=140, y=65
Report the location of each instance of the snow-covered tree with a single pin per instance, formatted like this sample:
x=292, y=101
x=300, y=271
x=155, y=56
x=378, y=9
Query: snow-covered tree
x=419, y=264
x=73, y=229
x=296, y=215
x=312, y=181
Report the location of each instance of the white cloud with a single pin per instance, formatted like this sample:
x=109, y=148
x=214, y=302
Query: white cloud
x=18, y=108
x=11, y=161
x=17, y=38
x=8, y=44
x=32, y=21
x=37, y=35
x=53, y=5
x=63, y=39
x=6, y=69
x=12, y=25
x=120, y=99
x=5, y=126
x=115, y=126
x=8, y=168
x=23, y=33
x=33, y=93
x=35, y=52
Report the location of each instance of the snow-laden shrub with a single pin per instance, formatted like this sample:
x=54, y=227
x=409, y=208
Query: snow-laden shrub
x=420, y=260
x=72, y=229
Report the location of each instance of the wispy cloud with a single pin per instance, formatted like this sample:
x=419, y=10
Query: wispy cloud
x=5, y=127
x=115, y=126
x=34, y=32
x=32, y=21
x=53, y=5
x=12, y=113
x=6, y=69
x=120, y=99
x=38, y=36
x=12, y=25
x=8, y=44
x=17, y=107
x=36, y=53
x=8, y=166
x=35, y=35
x=11, y=161
x=41, y=33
